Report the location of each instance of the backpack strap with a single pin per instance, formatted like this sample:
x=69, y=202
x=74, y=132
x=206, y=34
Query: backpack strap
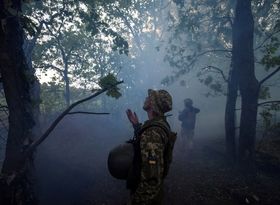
x=165, y=128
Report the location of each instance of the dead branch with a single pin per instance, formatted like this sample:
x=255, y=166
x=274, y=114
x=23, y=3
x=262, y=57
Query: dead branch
x=269, y=75
x=219, y=70
x=266, y=39
x=269, y=102
x=37, y=142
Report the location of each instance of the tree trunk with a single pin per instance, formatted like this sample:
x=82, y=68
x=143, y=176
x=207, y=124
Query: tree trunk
x=230, y=116
x=67, y=92
x=243, y=61
x=67, y=82
x=35, y=89
x=14, y=185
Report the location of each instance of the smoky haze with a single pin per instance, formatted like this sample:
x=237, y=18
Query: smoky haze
x=74, y=44
x=71, y=165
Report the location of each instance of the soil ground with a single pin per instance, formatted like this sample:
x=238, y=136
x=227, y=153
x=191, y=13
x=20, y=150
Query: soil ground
x=71, y=168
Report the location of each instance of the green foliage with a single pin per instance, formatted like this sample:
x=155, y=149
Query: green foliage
x=264, y=93
x=198, y=29
x=120, y=44
x=108, y=82
x=91, y=35
x=266, y=114
x=208, y=80
x=211, y=81
x=77, y=43
x=217, y=87
x=200, y=26
x=95, y=25
x=52, y=99
x=271, y=56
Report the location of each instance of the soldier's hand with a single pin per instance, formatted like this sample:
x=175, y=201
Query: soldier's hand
x=132, y=117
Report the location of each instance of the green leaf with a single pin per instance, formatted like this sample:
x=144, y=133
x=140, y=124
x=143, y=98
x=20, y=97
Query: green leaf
x=107, y=82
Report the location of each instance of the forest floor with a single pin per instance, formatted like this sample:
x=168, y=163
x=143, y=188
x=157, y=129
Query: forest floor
x=72, y=170
x=201, y=177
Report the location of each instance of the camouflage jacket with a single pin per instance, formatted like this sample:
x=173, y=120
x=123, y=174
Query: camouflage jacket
x=151, y=144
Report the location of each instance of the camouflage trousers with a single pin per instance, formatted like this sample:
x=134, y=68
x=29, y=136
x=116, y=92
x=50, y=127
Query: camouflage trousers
x=158, y=200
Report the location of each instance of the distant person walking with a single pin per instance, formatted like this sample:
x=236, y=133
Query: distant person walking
x=188, y=118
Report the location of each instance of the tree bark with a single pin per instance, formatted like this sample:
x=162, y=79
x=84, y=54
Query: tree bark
x=66, y=77
x=230, y=116
x=243, y=61
x=35, y=88
x=16, y=83
x=67, y=87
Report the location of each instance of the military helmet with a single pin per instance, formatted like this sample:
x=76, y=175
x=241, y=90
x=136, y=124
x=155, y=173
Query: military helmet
x=120, y=160
x=188, y=101
x=161, y=101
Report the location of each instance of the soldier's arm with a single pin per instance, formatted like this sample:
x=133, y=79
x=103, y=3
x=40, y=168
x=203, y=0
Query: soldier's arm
x=152, y=166
x=196, y=110
x=137, y=128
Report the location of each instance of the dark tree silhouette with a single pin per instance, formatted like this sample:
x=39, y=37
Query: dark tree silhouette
x=17, y=82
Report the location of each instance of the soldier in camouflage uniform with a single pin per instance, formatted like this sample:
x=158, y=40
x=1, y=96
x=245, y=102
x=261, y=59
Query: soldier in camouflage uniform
x=188, y=118
x=146, y=180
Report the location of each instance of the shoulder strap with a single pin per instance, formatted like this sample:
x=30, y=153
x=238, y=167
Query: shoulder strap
x=165, y=128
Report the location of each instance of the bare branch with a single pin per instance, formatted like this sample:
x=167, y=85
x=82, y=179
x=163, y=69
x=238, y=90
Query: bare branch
x=269, y=75
x=218, y=70
x=269, y=102
x=51, y=66
x=183, y=71
x=266, y=39
x=213, y=51
x=37, y=142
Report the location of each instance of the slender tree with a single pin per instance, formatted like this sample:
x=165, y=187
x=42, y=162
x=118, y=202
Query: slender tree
x=243, y=63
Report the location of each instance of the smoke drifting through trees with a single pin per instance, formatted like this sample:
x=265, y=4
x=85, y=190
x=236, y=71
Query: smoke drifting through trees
x=156, y=44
